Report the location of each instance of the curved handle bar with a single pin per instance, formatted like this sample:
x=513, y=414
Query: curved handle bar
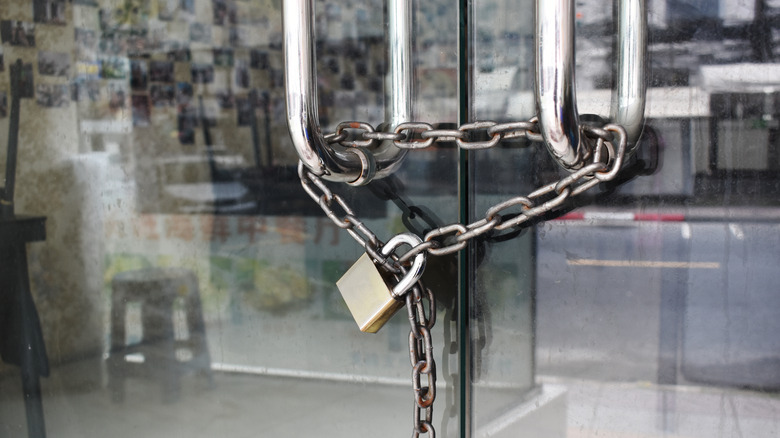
x=629, y=95
x=555, y=82
x=333, y=162
x=555, y=92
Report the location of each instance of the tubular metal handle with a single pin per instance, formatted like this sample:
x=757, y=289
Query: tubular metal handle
x=555, y=91
x=400, y=43
x=333, y=162
x=628, y=97
x=555, y=81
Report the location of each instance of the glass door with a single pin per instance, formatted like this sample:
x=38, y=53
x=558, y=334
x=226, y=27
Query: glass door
x=651, y=299
x=177, y=279
x=164, y=273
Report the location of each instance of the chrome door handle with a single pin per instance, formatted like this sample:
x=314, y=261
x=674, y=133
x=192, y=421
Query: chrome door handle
x=556, y=98
x=399, y=41
x=629, y=95
x=555, y=79
x=332, y=161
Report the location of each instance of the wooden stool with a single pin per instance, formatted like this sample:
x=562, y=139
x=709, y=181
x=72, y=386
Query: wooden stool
x=156, y=290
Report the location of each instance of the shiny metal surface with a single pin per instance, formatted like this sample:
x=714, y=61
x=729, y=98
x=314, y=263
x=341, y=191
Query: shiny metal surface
x=414, y=273
x=422, y=357
x=401, y=68
x=555, y=83
x=301, y=96
x=628, y=97
x=452, y=238
x=332, y=162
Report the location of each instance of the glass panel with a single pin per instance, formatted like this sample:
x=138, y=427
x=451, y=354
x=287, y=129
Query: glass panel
x=503, y=272
x=651, y=310
x=183, y=282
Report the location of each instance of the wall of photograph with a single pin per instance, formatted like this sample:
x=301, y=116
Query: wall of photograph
x=161, y=79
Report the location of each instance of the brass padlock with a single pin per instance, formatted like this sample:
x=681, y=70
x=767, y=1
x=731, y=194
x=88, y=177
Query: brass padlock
x=367, y=294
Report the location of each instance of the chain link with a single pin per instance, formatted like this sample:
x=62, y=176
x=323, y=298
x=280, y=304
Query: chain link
x=605, y=148
x=356, y=228
x=421, y=356
x=420, y=135
x=609, y=141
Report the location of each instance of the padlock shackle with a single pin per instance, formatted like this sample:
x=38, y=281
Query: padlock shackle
x=413, y=274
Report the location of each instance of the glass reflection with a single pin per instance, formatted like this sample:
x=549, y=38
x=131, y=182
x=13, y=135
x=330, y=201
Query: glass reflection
x=651, y=301
x=186, y=283
x=152, y=140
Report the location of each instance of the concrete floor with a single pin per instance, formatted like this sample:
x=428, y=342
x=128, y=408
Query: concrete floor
x=245, y=405
x=238, y=406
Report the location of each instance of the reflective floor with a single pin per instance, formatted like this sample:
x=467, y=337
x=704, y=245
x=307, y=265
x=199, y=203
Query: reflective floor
x=601, y=409
x=239, y=406
x=245, y=405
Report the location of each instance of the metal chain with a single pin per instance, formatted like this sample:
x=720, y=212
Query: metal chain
x=454, y=237
x=419, y=135
x=421, y=355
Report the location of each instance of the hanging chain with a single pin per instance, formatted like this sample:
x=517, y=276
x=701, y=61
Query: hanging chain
x=512, y=213
x=421, y=355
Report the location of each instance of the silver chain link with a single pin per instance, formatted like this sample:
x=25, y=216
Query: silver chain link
x=421, y=355
x=454, y=237
x=511, y=213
